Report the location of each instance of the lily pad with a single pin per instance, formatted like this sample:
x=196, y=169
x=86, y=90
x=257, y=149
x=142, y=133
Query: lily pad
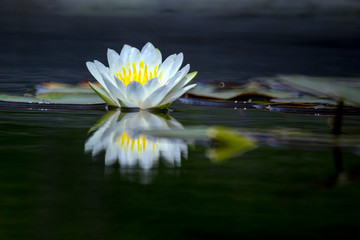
x=54, y=87
x=13, y=98
x=53, y=101
x=71, y=98
x=53, y=95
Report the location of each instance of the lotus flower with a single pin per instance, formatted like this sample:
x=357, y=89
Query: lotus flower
x=139, y=79
x=123, y=140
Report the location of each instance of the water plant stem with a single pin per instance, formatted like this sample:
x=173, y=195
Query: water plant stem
x=338, y=118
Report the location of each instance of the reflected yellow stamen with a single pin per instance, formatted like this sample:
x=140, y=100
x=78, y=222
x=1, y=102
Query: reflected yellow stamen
x=143, y=143
x=140, y=143
x=141, y=73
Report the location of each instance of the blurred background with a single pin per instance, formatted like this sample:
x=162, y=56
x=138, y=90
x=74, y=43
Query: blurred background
x=205, y=7
x=225, y=40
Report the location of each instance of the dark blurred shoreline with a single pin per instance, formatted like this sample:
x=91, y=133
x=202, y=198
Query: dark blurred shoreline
x=41, y=47
x=225, y=8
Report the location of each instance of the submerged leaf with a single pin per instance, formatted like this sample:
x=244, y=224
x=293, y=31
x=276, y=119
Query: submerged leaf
x=230, y=143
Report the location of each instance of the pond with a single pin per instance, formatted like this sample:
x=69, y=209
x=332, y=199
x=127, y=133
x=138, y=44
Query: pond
x=53, y=187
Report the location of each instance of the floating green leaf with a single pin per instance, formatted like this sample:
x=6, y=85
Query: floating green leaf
x=25, y=99
x=70, y=98
x=53, y=87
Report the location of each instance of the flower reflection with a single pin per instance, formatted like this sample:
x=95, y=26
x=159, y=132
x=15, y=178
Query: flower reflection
x=122, y=137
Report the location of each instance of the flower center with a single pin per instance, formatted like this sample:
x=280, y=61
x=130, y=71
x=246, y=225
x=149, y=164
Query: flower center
x=140, y=143
x=140, y=73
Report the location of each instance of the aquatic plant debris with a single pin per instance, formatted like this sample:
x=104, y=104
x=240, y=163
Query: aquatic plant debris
x=140, y=79
x=284, y=93
x=324, y=87
x=237, y=92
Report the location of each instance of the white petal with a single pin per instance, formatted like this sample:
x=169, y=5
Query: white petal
x=116, y=93
x=97, y=148
x=150, y=55
x=104, y=71
x=172, y=82
x=175, y=95
x=94, y=143
x=120, y=85
x=176, y=65
x=137, y=122
x=130, y=116
x=173, y=124
x=113, y=58
x=125, y=53
x=108, y=82
x=101, y=67
x=156, y=97
x=158, y=56
x=108, y=134
x=151, y=85
x=148, y=49
x=95, y=72
x=113, y=90
x=110, y=155
x=131, y=157
x=185, y=80
x=127, y=104
x=134, y=56
x=122, y=157
x=155, y=123
x=168, y=151
x=106, y=96
x=135, y=93
x=165, y=67
x=146, y=159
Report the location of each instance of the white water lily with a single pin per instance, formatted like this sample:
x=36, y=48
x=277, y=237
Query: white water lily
x=124, y=142
x=139, y=79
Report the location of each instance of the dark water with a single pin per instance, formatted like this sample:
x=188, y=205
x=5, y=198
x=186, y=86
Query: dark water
x=51, y=189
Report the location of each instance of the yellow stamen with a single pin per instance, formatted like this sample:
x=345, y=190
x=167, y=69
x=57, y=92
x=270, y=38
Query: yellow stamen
x=141, y=73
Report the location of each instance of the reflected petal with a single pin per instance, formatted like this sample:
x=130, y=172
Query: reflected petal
x=121, y=136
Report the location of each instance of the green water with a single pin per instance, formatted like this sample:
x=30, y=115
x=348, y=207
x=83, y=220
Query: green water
x=51, y=189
